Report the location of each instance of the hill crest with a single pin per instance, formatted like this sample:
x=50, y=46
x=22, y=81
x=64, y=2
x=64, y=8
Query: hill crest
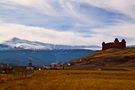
x=106, y=59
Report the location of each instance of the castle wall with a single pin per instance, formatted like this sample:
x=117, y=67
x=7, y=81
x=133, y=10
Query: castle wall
x=115, y=44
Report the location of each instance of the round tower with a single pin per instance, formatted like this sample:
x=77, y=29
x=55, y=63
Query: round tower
x=103, y=43
x=116, y=40
x=103, y=46
x=123, y=43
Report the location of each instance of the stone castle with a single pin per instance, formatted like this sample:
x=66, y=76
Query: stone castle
x=116, y=44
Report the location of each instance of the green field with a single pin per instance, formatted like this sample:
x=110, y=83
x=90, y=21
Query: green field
x=70, y=80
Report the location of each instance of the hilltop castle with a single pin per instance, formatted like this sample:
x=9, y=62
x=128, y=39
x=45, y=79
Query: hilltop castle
x=115, y=44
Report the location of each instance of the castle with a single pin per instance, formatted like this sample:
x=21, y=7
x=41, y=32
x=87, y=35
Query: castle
x=115, y=44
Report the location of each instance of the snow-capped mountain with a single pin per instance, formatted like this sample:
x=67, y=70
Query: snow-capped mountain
x=25, y=44
x=16, y=43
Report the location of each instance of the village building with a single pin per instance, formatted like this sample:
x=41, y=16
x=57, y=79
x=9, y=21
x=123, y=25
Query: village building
x=6, y=68
x=30, y=66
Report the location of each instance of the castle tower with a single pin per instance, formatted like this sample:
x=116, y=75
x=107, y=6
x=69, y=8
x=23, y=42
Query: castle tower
x=103, y=46
x=116, y=40
x=123, y=43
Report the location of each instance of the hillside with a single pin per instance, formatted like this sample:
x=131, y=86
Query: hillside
x=111, y=58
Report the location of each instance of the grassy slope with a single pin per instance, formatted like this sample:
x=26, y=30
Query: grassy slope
x=107, y=58
x=73, y=80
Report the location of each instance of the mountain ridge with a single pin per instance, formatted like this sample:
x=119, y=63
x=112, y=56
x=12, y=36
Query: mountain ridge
x=16, y=43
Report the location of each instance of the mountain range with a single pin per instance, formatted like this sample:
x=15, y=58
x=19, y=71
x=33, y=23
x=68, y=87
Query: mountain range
x=17, y=43
x=18, y=51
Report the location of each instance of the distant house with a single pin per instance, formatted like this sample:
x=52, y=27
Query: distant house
x=58, y=66
x=47, y=67
x=116, y=44
x=6, y=69
x=30, y=66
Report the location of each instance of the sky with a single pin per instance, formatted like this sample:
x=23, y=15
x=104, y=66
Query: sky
x=70, y=22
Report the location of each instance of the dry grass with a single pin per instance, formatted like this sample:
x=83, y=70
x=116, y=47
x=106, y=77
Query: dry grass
x=114, y=52
x=118, y=58
x=72, y=80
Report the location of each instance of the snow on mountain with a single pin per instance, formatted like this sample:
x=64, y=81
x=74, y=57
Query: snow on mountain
x=16, y=43
x=25, y=44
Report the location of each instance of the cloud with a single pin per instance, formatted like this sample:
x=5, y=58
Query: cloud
x=60, y=13
x=121, y=5
x=81, y=21
x=9, y=31
x=125, y=31
x=124, y=6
